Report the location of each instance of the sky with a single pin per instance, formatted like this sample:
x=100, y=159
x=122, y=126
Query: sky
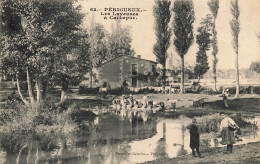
x=143, y=34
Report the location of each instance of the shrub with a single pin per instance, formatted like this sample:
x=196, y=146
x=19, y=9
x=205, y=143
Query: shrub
x=23, y=125
x=85, y=89
x=118, y=91
x=245, y=90
x=80, y=116
x=256, y=90
x=211, y=123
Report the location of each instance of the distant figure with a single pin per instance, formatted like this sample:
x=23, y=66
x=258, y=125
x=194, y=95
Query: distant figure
x=138, y=104
x=131, y=100
x=150, y=104
x=123, y=102
x=195, y=138
x=124, y=86
x=145, y=101
x=161, y=106
x=225, y=100
x=227, y=128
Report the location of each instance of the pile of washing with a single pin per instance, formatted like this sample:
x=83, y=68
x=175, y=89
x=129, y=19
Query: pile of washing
x=127, y=102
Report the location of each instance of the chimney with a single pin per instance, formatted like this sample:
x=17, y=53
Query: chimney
x=139, y=56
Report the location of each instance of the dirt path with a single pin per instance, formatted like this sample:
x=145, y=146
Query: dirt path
x=248, y=154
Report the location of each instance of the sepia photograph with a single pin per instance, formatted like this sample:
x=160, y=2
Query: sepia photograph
x=129, y=81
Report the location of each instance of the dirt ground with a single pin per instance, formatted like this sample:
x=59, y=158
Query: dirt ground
x=212, y=103
x=248, y=153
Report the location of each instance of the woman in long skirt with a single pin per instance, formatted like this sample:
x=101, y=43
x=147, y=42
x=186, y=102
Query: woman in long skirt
x=227, y=128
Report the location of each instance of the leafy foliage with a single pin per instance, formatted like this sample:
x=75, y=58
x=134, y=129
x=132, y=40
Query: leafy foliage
x=182, y=25
x=41, y=35
x=97, y=43
x=203, y=41
x=255, y=66
x=235, y=29
x=162, y=14
x=119, y=42
x=183, y=29
x=234, y=24
x=214, y=6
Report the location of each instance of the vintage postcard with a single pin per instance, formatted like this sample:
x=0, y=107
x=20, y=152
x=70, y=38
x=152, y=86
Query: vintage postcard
x=129, y=81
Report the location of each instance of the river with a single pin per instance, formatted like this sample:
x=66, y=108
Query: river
x=134, y=138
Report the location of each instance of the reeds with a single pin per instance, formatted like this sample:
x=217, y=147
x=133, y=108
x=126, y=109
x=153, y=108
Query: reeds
x=211, y=123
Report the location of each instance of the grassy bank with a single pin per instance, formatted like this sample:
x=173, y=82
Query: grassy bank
x=22, y=126
x=248, y=153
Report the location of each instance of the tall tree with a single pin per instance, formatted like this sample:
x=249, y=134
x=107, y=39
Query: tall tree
x=203, y=41
x=98, y=49
x=39, y=35
x=70, y=70
x=235, y=29
x=183, y=30
x=162, y=15
x=214, y=6
x=119, y=41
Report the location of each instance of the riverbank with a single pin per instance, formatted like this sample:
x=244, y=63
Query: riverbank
x=246, y=153
x=246, y=103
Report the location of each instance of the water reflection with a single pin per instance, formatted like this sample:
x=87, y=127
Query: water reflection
x=133, y=137
x=160, y=150
x=182, y=150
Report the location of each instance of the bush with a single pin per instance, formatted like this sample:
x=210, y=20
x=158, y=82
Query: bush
x=245, y=90
x=145, y=91
x=79, y=116
x=85, y=89
x=118, y=91
x=211, y=123
x=23, y=125
x=256, y=89
x=242, y=123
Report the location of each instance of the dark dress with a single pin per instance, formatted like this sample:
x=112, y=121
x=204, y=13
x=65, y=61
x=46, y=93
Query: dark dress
x=194, y=137
x=228, y=136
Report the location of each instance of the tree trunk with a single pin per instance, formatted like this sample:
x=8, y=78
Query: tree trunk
x=122, y=70
x=64, y=89
x=237, y=76
x=215, y=74
x=29, y=86
x=198, y=78
x=163, y=78
x=45, y=84
x=182, y=74
x=29, y=155
x=214, y=53
x=2, y=74
x=20, y=92
x=38, y=90
x=19, y=154
x=37, y=155
x=91, y=77
x=63, y=96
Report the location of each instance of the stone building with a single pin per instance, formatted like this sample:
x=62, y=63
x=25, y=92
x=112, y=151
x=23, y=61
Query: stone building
x=130, y=70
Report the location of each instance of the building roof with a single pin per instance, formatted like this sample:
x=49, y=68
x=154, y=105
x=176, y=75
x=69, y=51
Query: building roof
x=130, y=57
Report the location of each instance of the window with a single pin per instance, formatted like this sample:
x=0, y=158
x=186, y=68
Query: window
x=134, y=69
x=153, y=68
